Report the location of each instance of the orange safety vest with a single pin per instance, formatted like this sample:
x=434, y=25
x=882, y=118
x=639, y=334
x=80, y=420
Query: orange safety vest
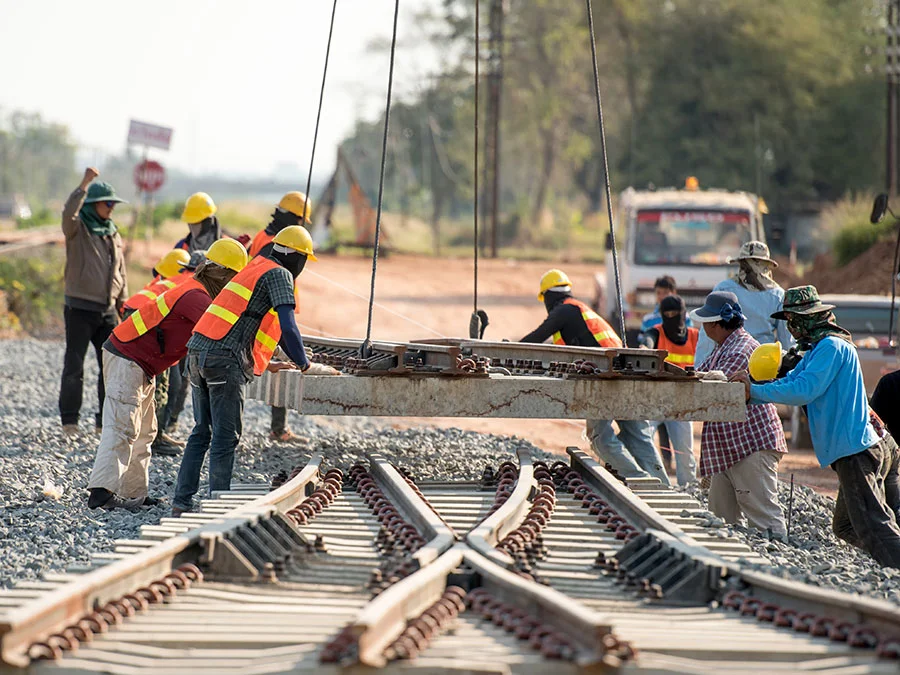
x=602, y=331
x=679, y=355
x=149, y=293
x=259, y=242
x=231, y=303
x=151, y=315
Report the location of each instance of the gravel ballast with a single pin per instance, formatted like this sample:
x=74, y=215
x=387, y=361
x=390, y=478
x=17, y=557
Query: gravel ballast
x=45, y=524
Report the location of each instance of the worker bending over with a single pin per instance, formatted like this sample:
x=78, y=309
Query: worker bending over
x=572, y=322
x=232, y=342
x=293, y=209
x=829, y=381
x=148, y=342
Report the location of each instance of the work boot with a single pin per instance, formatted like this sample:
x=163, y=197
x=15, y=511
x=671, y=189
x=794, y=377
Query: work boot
x=176, y=511
x=282, y=436
x=101, y=498
x=165, y=449
x=165, y=438
x=70, y=430
x=152, y=501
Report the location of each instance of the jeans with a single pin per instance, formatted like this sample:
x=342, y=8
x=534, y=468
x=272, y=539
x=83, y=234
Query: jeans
x=632, y=452
x=863, y=514
x=279, y=420
x=178, y=387
x=83, y=327
x=217, y=386
x=681, y=440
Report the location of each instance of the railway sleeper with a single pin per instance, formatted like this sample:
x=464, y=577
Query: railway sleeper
x=667, y=569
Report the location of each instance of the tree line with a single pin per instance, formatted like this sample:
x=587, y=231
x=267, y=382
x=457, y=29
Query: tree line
x=786, y=97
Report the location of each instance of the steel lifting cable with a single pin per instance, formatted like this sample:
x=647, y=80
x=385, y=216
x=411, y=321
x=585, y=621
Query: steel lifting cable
x=365, y=349
x=609, y=212
x=312, y=155
x=479, y=319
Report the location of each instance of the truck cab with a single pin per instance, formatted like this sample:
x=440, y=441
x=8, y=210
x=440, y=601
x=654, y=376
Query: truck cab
x=689, y=234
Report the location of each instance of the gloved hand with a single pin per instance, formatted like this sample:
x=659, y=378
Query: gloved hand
x=320, y=369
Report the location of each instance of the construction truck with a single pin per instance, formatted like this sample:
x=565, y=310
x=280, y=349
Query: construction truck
x=689, y=234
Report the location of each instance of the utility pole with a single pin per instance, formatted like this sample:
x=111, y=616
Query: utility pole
x=495, y=89
x=892, y=70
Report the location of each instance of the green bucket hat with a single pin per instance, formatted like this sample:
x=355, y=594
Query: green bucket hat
x=801, y=300
x=102, y=192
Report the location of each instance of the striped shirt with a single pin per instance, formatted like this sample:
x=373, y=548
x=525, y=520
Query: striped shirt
x=724, y=444
x=274, y=288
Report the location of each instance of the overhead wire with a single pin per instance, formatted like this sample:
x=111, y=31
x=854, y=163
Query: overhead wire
x=365, y=348
x=609, y=212
x=312, y=155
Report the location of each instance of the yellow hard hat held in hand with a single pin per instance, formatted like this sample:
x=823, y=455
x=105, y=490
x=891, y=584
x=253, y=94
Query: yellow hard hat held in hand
x=198, y=207
x=554, y=279
x=765, y=362
x=168, y=266
x=296, y=237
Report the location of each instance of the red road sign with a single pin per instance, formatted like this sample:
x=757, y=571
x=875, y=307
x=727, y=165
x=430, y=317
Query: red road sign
x=149, y=176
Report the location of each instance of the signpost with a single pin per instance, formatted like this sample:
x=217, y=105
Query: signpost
x=149, y=175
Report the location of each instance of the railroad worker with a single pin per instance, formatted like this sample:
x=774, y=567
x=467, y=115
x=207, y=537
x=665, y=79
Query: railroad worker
x=148, y=342
x=293, y=209
x=741, y=458
x=680, y=341
x=168, y=274
x=829, y=381
x=759, y=295
x=178, y=383
x=663, y=287
x=95, y=289
x=203, y=226
x=232, y=342
x=572, y=322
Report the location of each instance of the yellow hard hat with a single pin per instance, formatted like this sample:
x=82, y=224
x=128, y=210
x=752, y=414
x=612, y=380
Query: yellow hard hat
x=298, y=238
x=168, y=266
x=552, y=279
x=199, y=206
x=765, y=361
x=228, y=253
x=298, y=204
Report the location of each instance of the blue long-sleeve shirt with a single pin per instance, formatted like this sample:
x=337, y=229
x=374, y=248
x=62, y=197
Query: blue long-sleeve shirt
x=829, y=381
x=291, y=341
x=757, y=306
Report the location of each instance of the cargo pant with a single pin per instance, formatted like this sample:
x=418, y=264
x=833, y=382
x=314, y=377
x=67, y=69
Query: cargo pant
x=129, y=427
x=865, y=514
x=749, y=487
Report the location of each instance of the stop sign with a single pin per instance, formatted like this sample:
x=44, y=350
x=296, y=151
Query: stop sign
x=149, y=176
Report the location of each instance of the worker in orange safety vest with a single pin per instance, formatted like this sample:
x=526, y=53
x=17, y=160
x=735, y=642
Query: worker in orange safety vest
x=680, y=341
x=571, y=322
x=233, y=341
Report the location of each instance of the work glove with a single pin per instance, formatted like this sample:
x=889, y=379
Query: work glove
x=321, y=369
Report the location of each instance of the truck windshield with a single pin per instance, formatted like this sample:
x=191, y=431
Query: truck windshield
x=676, y=237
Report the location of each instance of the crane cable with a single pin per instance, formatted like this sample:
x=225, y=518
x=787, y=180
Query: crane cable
x=479, y=319
x=609, y=213
x=312, y=155
x=366, y=348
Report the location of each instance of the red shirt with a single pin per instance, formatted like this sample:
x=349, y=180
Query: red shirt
x=176, y=329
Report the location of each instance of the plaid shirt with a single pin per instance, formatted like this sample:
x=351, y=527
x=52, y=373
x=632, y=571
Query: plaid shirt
x=724, y=444
x=274, y=288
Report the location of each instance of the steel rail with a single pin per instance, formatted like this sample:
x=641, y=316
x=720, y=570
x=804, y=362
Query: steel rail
x=727, y=576
x=485, y=536
x=50, y=613
x=440, y=536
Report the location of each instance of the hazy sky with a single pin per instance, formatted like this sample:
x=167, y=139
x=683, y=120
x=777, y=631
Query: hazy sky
x=238, y=81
